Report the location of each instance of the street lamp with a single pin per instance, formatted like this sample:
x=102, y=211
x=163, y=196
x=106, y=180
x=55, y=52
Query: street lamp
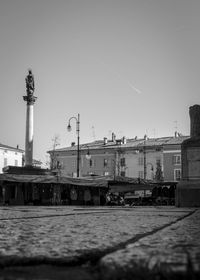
x=145, y=158
x=88, y=155
x=69, y=128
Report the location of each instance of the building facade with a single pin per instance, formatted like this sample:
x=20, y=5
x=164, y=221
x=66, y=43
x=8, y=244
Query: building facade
x=136, y=158
x=172, y=158
x=10, y=156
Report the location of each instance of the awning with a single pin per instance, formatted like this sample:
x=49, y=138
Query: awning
x=51, y=179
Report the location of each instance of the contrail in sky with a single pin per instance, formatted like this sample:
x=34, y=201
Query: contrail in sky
x=118, y=75
x=128, y=82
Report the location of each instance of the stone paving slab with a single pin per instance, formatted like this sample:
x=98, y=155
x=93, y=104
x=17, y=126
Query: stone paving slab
x=20, y=212
x=172, y=250
x=109, y=237
x=69, y=237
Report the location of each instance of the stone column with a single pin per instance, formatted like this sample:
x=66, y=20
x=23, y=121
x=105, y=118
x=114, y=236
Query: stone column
x=29, y=130
x=30, y=100
x=29, y=134
x=188, y=190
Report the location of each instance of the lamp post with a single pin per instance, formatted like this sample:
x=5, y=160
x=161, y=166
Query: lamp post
x=69, y=128
x=145, y=158
x=145, y=161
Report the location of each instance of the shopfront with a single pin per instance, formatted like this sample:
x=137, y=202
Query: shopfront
x=51, y=190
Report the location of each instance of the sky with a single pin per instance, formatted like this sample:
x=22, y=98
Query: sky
x=131, y=67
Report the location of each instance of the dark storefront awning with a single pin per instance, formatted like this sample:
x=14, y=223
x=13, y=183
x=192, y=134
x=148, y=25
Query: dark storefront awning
x=51, y=179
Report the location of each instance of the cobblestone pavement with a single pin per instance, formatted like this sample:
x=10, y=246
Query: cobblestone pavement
x=97, y=242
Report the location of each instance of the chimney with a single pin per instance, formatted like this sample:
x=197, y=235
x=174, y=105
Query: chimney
x=17, y=146
x=113, y=137
x=123, y=140
x=176, y=134
x=105, y=140
x=72, y=144
x=119, y=141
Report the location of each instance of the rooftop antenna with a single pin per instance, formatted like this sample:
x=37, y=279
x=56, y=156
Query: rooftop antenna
x=120, y=133
x=56, y=141
x=109, y=134
x=154, y=133
x=93, y=133
x=176, y=127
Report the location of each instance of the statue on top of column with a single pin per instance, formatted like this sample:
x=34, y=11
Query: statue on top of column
x=30, y=86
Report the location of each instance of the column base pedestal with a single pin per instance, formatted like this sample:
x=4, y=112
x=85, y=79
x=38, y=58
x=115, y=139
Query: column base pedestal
x=188, y=193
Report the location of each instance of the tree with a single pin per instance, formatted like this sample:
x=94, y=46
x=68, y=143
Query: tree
x=54, y=161
x=159, y=172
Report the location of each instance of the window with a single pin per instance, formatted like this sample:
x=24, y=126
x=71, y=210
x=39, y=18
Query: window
x=91, y=173
x=177, y=174
x=122, y=162
x=158, y=161
x=141, y=174
x=158, y=149
x=16, y=162
x=123, y=173
x=177, y=159
x=105, y=162
x=5, y=162
x=106, y=173
x=74, y=163
x=91, y=162
x=140, y=161
x=58, y=164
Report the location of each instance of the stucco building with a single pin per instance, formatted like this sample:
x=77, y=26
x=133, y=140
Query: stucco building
x=136, y=158
x=172, y=158
x=10, y=156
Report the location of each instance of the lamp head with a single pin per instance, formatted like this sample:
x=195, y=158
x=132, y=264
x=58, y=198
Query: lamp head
x=88, y=156
x=69, y=128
